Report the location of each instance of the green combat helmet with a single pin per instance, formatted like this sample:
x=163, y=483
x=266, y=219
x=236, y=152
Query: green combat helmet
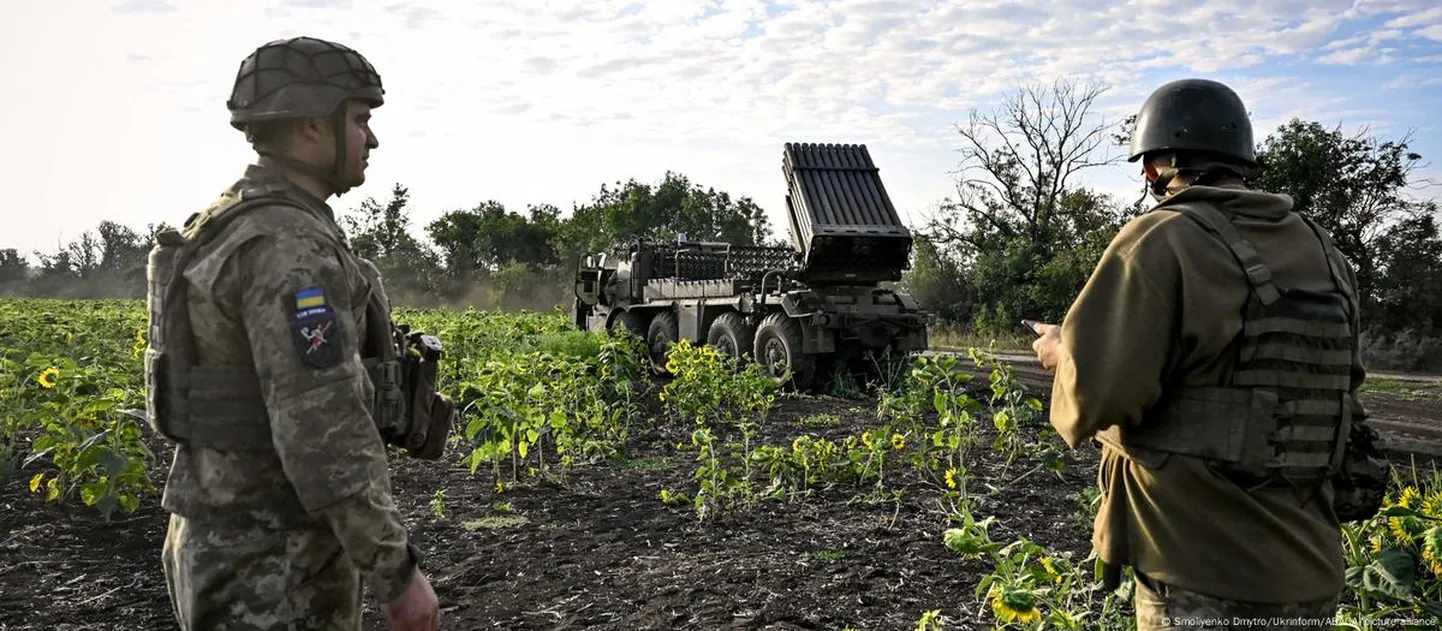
x=1194, y=115
x=303, y=77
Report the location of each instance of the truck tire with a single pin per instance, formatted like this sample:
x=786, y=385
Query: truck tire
x=628, y=321
x=659, y=337
x=778, y=345
x=731, y=334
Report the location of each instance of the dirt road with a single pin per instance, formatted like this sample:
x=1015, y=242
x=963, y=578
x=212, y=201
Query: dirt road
x=1405, y=409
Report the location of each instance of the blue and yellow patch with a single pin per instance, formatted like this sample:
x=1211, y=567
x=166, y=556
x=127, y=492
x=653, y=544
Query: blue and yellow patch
x=311, y=297
x=311, y=302
x=313, y=329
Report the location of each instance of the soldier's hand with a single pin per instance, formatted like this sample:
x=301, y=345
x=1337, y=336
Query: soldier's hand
x=1048, y=345
x=416, y=610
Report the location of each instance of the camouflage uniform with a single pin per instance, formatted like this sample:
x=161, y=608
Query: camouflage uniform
x=262, y=368
x=1162, y=607
x=1235, y=445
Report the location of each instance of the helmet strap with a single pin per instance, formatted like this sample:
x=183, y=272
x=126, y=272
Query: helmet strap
x=335, y=176
x=337, y=122
x=1165, y=175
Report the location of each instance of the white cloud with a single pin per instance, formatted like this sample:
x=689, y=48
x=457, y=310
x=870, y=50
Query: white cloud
x=1420, y=18
x=1412, y=82
x=529, y=102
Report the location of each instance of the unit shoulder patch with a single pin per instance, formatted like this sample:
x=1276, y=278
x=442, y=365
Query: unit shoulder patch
x=313, y=329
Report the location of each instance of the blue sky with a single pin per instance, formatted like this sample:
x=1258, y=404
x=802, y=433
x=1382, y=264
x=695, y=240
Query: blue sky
x=118, y=112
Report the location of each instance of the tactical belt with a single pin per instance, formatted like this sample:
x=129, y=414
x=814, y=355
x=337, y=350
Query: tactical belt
x=1239, y=426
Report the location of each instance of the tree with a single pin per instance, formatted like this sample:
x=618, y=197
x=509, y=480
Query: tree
x=377, y=231
x=1354, y=186
x=1408, y=292
x=488, y=237
x=675, y=205
x=13, y=267
x=1018, y=165
x=938, y=281
x=1024, y=233
x=381, y=234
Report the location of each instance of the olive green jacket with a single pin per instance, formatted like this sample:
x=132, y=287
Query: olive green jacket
x=1164, y=308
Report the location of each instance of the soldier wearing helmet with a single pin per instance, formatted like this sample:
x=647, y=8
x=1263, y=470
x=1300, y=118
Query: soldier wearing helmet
x=1235, y=445
x=271, y=367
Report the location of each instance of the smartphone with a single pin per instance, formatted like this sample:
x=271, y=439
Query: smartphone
x=1031, y=326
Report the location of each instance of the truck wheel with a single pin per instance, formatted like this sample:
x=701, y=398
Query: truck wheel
x=659, y=338
x=731, y=334
x=778, y=347
x=628, y=321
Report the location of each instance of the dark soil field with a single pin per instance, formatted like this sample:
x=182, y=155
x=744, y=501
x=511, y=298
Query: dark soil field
x=599, y=550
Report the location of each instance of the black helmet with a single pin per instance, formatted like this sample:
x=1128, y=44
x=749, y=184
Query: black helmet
x=1194, y=115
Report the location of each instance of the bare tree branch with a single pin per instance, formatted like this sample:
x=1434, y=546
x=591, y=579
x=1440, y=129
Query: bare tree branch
x=1019, y=163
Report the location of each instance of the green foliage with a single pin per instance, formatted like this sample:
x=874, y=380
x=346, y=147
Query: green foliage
x=13, y=266
x=936, y=279
x=675, y=205
x=1032, y=587
x=70, y=379
x=712, y=388
x=1356, y=187
x=1020, y=238
x=538, y=399
x=488, y=237
x=1394, y=560
x=533, y=393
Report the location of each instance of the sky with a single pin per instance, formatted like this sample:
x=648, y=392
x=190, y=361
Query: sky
x=116, y=108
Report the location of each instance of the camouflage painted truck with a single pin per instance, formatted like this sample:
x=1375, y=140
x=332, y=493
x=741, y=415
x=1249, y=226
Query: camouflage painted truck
x=809, y=308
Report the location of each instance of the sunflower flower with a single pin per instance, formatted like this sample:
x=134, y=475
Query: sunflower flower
x=1398, y=527
x=47, y=377
x=1013, y=605
x=1409, y=497
x=1051, y=569
x=898, y=441
x=951, y=478
x=1432, y=550
x=1432, y=506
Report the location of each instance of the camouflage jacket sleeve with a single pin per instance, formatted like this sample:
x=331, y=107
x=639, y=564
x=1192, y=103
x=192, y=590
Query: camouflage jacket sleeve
x=299, y=308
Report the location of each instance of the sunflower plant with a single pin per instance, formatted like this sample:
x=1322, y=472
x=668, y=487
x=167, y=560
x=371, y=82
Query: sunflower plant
x=1394, y=559
x=73, y=392
x=547, y=408
x=713, y=389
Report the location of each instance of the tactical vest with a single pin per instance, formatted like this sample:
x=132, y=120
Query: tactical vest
x=1286, y=416
x=221, y=406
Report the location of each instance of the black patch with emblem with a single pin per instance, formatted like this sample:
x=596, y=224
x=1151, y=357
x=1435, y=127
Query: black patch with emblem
x=314, y=329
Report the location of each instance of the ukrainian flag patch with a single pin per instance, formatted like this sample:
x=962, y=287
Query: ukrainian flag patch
x=313, y=329
x=310, y=301
x=307, y=298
